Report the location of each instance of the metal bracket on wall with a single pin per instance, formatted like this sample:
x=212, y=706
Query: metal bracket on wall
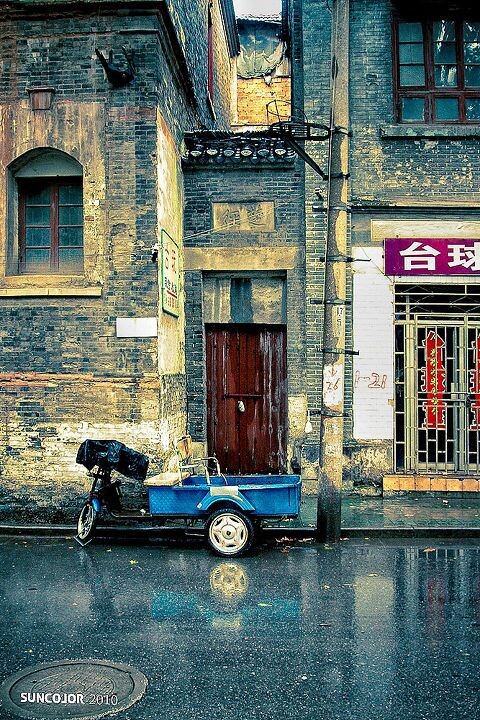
x=343, y=208
x=338, y=301
x=346, y=259
x=332, y=351
x=320, y=301
x=327, y=413
x=339, y=130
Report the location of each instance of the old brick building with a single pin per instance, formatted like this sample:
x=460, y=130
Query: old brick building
x=94, y=342
x=414, y=96
x=95, y=98
x=410, y=229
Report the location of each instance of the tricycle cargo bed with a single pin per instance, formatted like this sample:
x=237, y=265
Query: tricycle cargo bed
x=265, y=496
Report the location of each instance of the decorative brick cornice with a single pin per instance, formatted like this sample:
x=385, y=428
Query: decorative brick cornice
x=248, y=148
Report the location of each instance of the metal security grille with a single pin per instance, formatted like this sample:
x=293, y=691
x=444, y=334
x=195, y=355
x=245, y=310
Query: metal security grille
x=437, y=378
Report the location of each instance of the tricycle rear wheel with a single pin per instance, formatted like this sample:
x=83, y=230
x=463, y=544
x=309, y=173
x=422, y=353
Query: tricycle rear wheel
x=86, y=523
x=230, y=533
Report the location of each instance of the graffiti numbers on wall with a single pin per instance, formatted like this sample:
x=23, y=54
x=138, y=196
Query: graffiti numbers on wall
x=374, y=380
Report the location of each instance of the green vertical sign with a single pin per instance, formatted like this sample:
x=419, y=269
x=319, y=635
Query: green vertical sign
x=170, y=275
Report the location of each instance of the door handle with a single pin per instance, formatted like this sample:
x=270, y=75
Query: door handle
x=241, y=406
x=243, y=395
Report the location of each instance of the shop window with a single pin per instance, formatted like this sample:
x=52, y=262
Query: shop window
x=46, y=212
x=437, y=70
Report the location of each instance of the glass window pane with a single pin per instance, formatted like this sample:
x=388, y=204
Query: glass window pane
x=70, y=236
x=412, y=75
x=411, y=54
x=444, y=52
x=413, y=109
x=37, y=237
x=410, y=32
x=37, y=261
x=70, y=215
x=472, y=108
x=446, y=109
x=37, y=215
x=445, y=76
x=472, y=53
x=443, y=30
x=70, y=194
x=471, y=31
x=70, y=259
x=472, y=76
x=38, y=196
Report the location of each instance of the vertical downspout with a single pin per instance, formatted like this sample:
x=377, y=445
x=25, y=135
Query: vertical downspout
x=333, y=346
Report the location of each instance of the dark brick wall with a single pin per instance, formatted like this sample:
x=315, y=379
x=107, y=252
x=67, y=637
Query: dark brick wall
x=195, y=356
x=204, y=186
x=311, y=22
x=415, y=165
x=242, y=184
x=64, y=375
x=62, y=54
x=426, y=171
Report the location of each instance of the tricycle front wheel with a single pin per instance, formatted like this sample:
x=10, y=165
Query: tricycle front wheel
x=86, y=523
x=229, y=532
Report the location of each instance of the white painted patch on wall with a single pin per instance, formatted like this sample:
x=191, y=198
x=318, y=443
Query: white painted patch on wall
x=373, y=337
x=333, y=385
x=164, y=435
x=137, y=327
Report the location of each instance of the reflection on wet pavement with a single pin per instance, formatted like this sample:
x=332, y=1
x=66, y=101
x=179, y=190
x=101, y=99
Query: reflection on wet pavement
x=228, y=602
x=356, y=630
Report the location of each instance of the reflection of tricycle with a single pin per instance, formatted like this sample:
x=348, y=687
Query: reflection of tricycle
x=231, y=507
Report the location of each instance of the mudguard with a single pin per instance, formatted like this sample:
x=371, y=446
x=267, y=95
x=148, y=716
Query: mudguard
x=230, y=494
x=97, y=504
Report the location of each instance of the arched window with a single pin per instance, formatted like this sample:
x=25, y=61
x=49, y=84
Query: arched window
x=47, y=192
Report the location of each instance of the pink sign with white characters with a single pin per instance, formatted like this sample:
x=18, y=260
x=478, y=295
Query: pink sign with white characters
x=432, y=256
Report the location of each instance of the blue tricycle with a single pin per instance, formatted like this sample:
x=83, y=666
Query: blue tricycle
x=231, y=508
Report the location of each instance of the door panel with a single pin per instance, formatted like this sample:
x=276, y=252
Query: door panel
x=246, y=397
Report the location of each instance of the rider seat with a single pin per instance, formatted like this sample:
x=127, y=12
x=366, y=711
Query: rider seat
x=183, y=464
x=190, y=465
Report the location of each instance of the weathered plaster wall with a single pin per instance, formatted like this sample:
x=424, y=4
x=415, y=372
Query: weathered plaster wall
x=253, y=96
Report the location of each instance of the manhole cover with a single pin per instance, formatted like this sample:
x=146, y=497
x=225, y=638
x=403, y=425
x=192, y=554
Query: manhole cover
x=72, y=689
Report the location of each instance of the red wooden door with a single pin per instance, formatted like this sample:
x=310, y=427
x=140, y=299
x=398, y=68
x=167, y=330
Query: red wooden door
x=246, y=397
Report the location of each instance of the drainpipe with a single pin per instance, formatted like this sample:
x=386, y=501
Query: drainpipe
x=333, y=346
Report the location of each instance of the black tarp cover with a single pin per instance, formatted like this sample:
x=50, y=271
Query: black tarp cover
x=113, y=455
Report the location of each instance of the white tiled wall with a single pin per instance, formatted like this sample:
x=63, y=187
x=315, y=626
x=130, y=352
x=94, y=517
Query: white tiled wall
x=373, y=336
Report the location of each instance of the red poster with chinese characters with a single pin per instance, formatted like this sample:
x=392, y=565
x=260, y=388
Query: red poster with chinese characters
x=434, y=382
x=474, y=386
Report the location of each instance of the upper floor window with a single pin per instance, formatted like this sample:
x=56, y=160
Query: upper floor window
x=437, y=71
x=45, y=210
x=50, y=226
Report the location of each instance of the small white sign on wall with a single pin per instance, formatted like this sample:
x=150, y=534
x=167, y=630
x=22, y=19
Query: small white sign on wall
x=137, y=327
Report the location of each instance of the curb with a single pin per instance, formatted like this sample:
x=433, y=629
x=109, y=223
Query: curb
x=124, y=532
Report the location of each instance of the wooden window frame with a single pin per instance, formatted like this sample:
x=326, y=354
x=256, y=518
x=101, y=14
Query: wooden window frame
x=54, y=185
x=429, y=92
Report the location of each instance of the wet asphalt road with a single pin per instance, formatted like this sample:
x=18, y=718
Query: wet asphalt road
x=364, y=630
